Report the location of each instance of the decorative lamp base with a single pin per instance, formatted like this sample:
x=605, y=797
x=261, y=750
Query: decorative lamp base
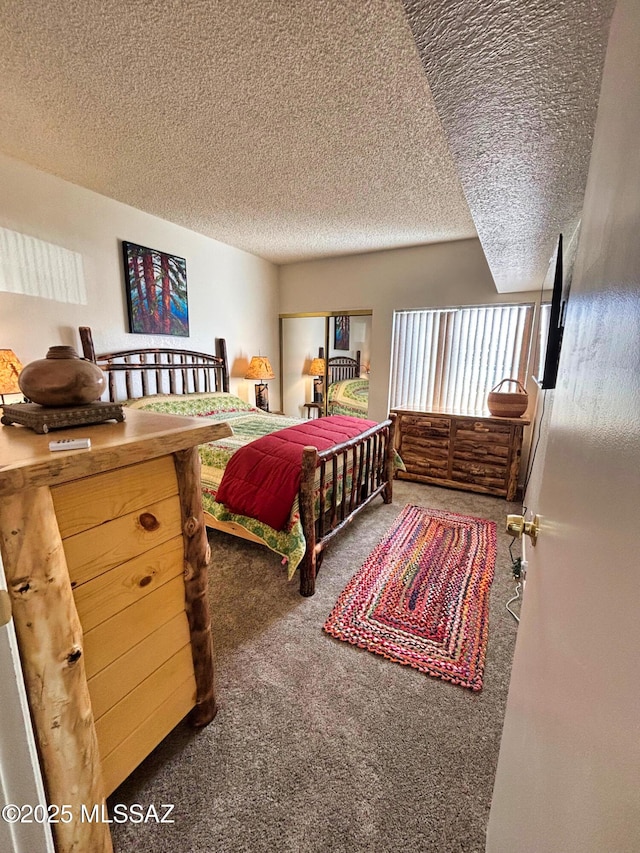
x=262, y=396
x=318, y=389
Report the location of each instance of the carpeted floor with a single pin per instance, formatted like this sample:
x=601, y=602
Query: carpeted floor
x=320, y=746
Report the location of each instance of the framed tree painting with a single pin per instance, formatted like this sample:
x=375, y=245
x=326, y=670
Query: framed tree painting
x=156, y=285
x=341, y=332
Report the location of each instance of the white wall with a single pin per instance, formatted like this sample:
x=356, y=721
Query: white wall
x=301, y=339
x=568, y=775
x=440, y=275
x=232, y=294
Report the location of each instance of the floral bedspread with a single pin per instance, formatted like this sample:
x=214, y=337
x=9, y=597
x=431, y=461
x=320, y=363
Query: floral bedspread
x=349, y=397
x=247, y=423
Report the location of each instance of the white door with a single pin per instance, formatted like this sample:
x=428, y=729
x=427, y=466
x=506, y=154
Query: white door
x=568, y=777
x=20, y=779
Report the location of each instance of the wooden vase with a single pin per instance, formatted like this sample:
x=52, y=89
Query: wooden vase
x=62, y=378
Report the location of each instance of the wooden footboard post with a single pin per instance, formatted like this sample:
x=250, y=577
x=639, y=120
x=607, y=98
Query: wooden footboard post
x=197, y=555
x=390, y=462
x=307, y=519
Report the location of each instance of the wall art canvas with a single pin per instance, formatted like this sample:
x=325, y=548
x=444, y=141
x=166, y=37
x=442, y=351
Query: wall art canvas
x=156, y=285
x=341, y=335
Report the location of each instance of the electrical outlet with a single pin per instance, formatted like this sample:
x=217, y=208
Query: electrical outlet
x=523, y=570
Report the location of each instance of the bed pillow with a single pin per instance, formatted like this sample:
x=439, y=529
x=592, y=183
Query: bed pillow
x=207, y=404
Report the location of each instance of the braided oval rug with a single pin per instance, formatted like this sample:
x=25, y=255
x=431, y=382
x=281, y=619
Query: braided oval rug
x=422, y=596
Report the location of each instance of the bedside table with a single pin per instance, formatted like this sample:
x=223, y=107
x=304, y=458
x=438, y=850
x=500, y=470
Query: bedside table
x=313, y=407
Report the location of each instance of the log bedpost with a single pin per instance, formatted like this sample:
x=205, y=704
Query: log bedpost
x=52, y=653
x=308, y=566
x=221, y=352
x=86, y=337
x=197, y=555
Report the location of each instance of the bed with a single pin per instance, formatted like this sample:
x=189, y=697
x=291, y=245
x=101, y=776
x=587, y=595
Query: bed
x=335, y=483
x=348, y=392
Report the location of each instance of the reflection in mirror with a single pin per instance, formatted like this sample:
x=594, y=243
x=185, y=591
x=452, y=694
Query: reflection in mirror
x=348, y=365
x=340, y=384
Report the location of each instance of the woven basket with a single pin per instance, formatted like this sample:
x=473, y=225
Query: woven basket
x=508, y=404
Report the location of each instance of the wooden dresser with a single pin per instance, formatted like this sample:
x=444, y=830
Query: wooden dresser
x=478, y=454
x=106, y=555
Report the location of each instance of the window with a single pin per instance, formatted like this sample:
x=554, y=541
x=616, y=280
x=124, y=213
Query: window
x=449, y=359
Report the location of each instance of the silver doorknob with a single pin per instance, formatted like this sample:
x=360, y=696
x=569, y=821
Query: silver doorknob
x=517, y=526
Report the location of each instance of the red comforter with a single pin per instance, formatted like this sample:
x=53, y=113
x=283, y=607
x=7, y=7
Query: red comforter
x=262, y=479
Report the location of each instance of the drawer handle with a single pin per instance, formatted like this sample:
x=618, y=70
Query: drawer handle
x=478, y=427
x=148, y=521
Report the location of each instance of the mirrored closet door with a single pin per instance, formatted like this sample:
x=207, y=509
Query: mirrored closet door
x=324, y=363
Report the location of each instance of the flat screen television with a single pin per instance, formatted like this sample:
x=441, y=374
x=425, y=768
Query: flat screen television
x=556, y=323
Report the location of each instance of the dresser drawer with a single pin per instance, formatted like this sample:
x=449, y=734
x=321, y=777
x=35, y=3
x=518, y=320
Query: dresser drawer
x=91, y=501
x=423, y=426
x=483, y=432
x=480, y=474
x=416, y=449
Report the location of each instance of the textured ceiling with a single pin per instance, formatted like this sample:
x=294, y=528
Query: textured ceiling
x=516, y=85
x=297, y=129
x=290, y=129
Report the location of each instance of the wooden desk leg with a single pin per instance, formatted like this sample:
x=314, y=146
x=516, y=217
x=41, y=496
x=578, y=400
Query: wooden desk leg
x=51, y=648
x=197, y=555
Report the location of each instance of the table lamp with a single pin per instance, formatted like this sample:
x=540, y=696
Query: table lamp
x=317, y=369
x=260, y=368
x=10, y=368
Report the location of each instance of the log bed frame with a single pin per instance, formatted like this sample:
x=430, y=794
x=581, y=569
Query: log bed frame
x=149, y=371
x=341, y=367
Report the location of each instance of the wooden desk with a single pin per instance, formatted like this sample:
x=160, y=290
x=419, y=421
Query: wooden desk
x=106, y=556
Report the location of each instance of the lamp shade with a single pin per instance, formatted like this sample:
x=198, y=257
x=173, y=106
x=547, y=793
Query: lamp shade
x=317, y=367
x=10, y=367
x=260, y=368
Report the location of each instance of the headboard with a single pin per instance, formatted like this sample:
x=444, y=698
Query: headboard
x=158, y=370
x=341, y=367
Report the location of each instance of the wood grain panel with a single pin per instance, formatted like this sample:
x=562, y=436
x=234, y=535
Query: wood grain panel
x=429, y=426
x=91, y=501
x=94, y=551
x=27, y=461
x=482, y=432
x=113, y=638
x=112, y=683
x=121, y=761
x=120, y=587
x=131, y=712
x=481, y=477
x=475, y=449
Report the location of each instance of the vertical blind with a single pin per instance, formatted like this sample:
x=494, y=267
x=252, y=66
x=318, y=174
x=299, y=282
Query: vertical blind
x=449, y=359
